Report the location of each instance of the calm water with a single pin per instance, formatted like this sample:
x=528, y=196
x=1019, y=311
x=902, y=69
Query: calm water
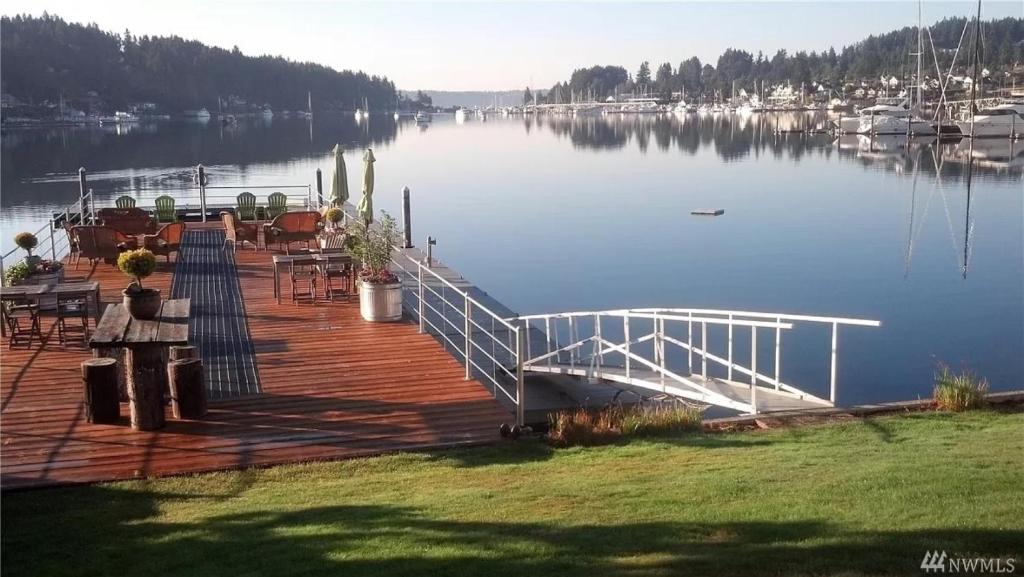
x=557, y=214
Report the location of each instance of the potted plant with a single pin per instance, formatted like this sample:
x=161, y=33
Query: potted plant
x=380, y=291
x=333, y=234
x=142, y=303
x=34, y=270
x=28, y=241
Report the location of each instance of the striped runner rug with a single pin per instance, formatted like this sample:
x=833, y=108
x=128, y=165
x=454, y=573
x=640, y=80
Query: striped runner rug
x=206, y=273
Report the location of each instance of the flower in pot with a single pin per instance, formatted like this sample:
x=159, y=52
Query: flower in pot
x=142, y=303
x=380, y=291
x=333, y=234
x=16, y=273
x=28, y=241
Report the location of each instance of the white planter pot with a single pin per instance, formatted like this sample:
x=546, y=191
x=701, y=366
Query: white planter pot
x=380, y=302
x=46, y=302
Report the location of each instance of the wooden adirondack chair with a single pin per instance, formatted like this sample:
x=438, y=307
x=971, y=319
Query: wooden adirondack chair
x=277, y=204
x=125, y=202
x=246, y=206
x=165, y=209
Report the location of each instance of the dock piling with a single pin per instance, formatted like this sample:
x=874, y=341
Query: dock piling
x=319, y=188
x=431, y=241
x=202, y=190
x=406, y=217
x=81, y=195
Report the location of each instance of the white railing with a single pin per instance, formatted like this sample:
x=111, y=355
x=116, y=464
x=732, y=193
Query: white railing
x=639, y=356
x=54, y=243
x=489, y=347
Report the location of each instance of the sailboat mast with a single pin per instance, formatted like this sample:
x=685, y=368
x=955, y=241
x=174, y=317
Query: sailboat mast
x=920, y=49
x=974, y=72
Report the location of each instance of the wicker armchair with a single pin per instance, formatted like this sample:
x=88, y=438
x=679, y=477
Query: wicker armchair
x=293, y=227
x=102, y=243
x=236, y=231
x=128, y=220
x=166, y=240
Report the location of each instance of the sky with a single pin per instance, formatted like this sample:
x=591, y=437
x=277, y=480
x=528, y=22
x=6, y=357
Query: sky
x=504, y=45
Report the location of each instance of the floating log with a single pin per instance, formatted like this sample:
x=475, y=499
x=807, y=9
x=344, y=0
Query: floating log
x=99, y=383
x=708, y=212
x=188, y=393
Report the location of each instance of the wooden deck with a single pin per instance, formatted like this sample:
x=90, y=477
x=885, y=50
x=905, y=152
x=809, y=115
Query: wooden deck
x=333, y=387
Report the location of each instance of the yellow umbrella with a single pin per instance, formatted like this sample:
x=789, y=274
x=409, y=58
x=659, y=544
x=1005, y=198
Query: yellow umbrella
x=339, y=184
x=366, y=205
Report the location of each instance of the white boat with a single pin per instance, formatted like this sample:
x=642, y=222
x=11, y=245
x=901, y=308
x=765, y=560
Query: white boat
x=877, y=119
x=423, y=117
x=267, y=113
x=462, y=114
x=1003, y=120
x=125, y=117
x=682, y=108
x=202, y=114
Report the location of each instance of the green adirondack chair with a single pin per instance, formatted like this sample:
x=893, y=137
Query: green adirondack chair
x=125, y=202
x=246, y=206
x=165, y=209
x=277, y=204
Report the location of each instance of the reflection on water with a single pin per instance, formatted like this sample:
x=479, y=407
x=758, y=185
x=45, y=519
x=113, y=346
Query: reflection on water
x=554, y=213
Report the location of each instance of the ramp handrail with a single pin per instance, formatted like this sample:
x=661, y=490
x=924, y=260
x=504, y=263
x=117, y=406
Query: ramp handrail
x=554, y=328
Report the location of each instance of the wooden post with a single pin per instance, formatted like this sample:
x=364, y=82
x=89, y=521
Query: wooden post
x=406, y=217
x=188, y=393
x=99, y=383
x=319, y=188
x=81, y=195
x=146, y=379
x=202, y=190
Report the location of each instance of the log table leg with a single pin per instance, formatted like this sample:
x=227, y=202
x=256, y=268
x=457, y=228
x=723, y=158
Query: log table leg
x=146, y=378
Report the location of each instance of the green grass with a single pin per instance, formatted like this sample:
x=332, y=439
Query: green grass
x=861, y=498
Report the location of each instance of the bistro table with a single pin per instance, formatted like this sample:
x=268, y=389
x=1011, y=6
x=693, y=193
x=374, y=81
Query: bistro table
x=144, y=342
x=33, y=292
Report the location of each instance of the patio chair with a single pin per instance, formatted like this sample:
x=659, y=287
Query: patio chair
x=166, y=240
x=303, y=273
x=165, y=209
x=73, y=254
x=246, y=206
x=130, y=221
x=69, y=308
x=301, y=226
x=102, y=243
x=338, y=273
x=277, y=204
x=22, y=321
x=236, y=231
x=124, y=202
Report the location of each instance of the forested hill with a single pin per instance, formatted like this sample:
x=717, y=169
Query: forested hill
x=890, y=54
x=45, y=57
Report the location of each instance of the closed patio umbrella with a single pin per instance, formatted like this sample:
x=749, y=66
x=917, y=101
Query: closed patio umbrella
x=366, y=205
x=339, y=184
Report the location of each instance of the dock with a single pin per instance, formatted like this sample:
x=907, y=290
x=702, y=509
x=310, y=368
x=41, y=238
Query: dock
x=330, y=386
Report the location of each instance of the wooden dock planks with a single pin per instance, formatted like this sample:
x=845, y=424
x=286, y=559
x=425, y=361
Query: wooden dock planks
x=333, y=387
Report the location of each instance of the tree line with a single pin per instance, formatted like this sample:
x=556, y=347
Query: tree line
x=45, y=57
x=890, y=55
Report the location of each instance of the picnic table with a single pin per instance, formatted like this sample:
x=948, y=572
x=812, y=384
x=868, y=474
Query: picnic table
x=144, y=342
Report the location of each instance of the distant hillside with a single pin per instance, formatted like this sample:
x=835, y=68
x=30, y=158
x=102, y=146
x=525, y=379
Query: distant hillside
x=471, y=98
x=97, y=71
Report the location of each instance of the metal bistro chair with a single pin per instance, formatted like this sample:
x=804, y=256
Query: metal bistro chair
x=71, y=307
x=246, y=206
x=336, y=267
x=165, y=209
x=303, y=272
x=124, y=202
x=73, y=253
x=277, y=204
x=22, y=321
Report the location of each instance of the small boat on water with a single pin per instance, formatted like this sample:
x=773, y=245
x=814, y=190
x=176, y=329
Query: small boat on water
x=201, y=115
x=462, y=114
x=1003, y=120
x=423, y=117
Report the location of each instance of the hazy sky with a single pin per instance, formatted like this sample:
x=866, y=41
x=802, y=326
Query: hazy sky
x=492, y=45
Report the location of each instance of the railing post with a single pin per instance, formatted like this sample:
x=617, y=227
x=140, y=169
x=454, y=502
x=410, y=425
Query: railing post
x=202, y=190
x=572, y=338
x=419, y=296
x=469, y=335
x=597, y=341
x=660, y=345
x=53, y=245
x=92, y=207
x=778, y=347
x=625, y=330
x=689, y=343
x=753, y=369
x=704, y=350
x=547, y=337
x=729, y=377
x=319, y=189
x=832, y=370
x=81, y=195
x=520, y=378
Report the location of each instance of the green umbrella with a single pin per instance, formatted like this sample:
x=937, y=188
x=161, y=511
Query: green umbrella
x=366, y=205
x=339, y=184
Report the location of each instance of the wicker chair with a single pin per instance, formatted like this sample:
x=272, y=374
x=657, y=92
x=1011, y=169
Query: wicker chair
x=125, y=202
x=166, y=240
x=102, y=243
x=131, y=221
x=165, y=209
x=293, y=227
x=246, y=206
x=236, y=231
x=277, y=204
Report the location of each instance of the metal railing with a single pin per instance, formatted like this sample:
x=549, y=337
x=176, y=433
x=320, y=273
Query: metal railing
x=639, y=358
x=53, y=241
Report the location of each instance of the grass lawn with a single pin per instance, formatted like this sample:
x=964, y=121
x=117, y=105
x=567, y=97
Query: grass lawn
x=869, y=497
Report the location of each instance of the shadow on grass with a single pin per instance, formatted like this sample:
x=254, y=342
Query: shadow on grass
x=103, y=530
